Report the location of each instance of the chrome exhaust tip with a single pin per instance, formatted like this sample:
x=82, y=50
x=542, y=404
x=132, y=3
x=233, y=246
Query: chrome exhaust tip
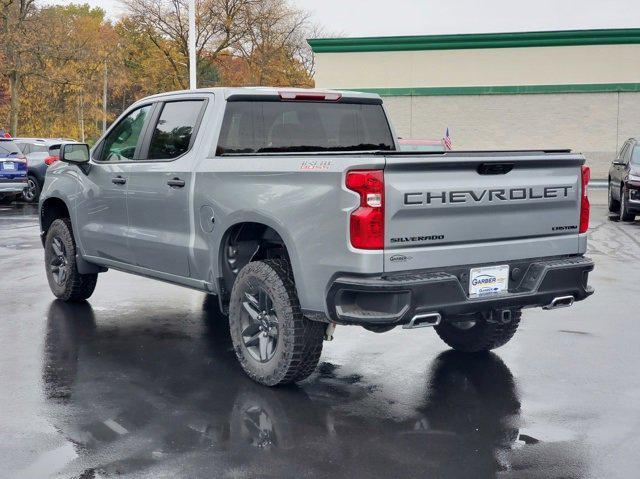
x=560, y=302
x=425, y=320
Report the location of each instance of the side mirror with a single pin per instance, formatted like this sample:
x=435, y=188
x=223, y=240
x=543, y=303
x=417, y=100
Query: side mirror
x=76, y=153
x=618, y=161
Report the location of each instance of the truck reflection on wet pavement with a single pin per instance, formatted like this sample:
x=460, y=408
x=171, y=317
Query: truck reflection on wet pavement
x=148, y=400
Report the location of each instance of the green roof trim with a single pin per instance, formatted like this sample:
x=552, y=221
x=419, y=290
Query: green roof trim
x=477, y=40
x=503, y=90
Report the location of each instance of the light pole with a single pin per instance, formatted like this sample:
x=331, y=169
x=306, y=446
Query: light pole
x=104, y=100
x=192, y=45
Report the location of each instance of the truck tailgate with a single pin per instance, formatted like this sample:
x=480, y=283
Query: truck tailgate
x=472, y=208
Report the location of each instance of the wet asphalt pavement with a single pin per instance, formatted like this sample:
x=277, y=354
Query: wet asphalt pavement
x=141, y=381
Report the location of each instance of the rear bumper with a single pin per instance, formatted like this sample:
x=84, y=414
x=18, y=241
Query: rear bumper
x=398, y=297
x=13, y=186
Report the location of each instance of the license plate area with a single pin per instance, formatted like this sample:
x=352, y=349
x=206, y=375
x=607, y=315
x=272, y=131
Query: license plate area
x=8, y=165
x=488, y=281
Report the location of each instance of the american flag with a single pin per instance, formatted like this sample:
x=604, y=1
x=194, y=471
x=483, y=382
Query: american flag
x=447, y=140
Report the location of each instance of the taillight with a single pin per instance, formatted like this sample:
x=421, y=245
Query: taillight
x=367, y=221
x=26, y=163
x=584, y=201
x=50, y=160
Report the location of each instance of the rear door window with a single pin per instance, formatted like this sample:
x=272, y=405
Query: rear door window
x=174, y=132
x=290, y=126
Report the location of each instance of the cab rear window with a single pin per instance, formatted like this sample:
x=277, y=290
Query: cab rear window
x=290, y=126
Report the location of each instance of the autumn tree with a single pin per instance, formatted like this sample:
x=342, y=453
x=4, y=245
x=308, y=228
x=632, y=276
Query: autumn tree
x=68, y=88
x=268, y=35
x=55, y=61
x=220, y=24
x=143, y=64
x=274, y=46
x=17, y=44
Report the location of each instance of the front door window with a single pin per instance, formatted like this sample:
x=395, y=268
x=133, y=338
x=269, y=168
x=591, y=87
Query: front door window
x=120, y=144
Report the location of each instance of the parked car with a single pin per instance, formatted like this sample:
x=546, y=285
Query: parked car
x=13, y=171
x=409, y=144
x=624, y=181
x=40, y=153
x=298, y=211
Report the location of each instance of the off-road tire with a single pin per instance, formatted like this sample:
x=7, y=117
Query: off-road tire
x=483, y=336
x=299, y=339
x=625, y=215
x=614, y=205
x=76, y=287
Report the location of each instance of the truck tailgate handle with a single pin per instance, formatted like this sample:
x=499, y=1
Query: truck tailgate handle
x=494, y=168
x=118, y=180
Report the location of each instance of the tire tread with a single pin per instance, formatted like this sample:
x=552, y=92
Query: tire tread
x=306, y=336
x=78, y=286
x=489, y=336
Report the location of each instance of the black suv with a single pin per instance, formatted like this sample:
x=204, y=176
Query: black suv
x=624, y=181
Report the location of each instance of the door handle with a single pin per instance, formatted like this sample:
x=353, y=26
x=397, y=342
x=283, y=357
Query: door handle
x=118, y=180
x=176, y=183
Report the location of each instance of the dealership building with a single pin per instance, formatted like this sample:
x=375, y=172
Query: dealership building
x=562, y=89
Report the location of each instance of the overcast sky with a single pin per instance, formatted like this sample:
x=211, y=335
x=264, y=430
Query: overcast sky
x=423, y=17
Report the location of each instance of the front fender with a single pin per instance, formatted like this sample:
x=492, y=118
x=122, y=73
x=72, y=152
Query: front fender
x=62, y=183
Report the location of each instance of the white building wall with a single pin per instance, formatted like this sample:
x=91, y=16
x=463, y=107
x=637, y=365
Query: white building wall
x=597, y=109
x=592, y=123
x=480, y=67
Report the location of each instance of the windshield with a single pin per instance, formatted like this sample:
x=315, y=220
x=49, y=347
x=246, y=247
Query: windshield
x=287, y=126
x=8, y=148
x=635, y=158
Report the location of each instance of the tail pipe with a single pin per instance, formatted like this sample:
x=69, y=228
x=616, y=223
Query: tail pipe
x=560, y=302
x=423, y=321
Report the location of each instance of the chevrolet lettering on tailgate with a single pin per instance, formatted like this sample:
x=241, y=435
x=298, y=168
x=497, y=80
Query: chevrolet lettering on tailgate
x=489, y=195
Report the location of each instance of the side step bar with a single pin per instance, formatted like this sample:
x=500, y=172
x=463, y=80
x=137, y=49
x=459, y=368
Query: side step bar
x=423, y=321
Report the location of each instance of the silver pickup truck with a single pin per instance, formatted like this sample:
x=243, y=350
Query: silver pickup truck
x=298, y=210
